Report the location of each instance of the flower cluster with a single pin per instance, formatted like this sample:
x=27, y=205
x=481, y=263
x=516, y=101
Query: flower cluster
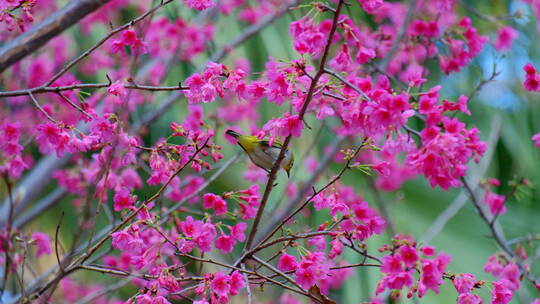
x=309, y=38
x=536, y=139
x=375, y=110
x=167, y=158
x=508, y=275
x=313, y=269
x=52, y=137
x=532, y=78
x=461, y=52
x=13, y=163
x=494, y=201
x=398, y=268
x=447, y=145
x=288, y=125
x=505, y=36
x=43, y=243
x=388, y=161
x=464, y=284
x=199, y=4
x=72, y=291
x=161, y=43
x=208, y=85
x=129, y=38
x=220, y=287
x=8, y=16
x=371, y=6
x=362, y=221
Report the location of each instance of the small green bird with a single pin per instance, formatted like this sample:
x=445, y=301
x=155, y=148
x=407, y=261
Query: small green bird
x=261, y=153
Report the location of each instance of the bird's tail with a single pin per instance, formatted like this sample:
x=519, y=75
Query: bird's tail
x=232, y=133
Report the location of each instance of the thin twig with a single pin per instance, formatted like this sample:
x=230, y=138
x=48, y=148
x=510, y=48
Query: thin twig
x=38, y=106
x=524, y=239
x=277, y=271
x=64, y=97
x=348, y=83
x=496, y=234
x=56, y=241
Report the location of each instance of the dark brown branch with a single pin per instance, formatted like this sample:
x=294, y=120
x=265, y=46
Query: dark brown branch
x=56, y=242
x=100, y=85
x=277, y=271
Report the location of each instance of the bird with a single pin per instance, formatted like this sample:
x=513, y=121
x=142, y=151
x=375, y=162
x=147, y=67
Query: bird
x=262, y=153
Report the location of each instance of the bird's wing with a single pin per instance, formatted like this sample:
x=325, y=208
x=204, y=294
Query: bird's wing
x=277, y=144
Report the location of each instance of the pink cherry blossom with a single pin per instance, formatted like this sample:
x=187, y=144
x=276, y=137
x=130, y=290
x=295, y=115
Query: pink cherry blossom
x=495, y=202
x=215, y=202
x=237, y=282
x=287, y=262
x=500, y=293
x=505, y=36
x=225, y=243
x=42, y=242
x=536, y=139
x=464, y=283
x=221, y=284
x=468, y=298
x=532, y=78
x=199, y=4
x=123, y=199
x=117, y=89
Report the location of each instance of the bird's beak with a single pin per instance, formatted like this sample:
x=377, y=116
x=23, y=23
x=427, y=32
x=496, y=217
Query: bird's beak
x=288, y=173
